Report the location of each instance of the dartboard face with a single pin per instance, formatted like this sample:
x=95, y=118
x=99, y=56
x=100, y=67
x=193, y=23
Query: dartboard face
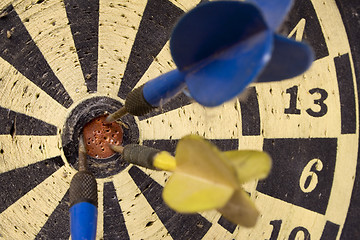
x=62, y=63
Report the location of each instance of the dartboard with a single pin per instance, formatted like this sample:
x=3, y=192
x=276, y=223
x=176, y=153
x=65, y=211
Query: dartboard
x=65, y=62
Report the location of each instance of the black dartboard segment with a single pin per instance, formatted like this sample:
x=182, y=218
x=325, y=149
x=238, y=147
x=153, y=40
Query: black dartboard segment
x=63, y=63
x=18, y=182
x=250, y=114
x=330, y=231
x=18, y=48
x=180, y=226
x=114, y=223
x=227, y=224
x=347, y=101
x=303, y=24
x=84, y=23
x=14, y=123
x=154, y=31
x=309, y=188
x=54, y=226
x=353, y=33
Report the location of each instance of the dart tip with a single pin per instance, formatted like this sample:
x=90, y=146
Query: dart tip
x=116, y=115
x=82, y=155
x=116, y=148
x=109, y=119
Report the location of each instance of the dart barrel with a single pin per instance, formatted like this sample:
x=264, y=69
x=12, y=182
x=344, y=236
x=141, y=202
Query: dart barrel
x=140, y=155
x=83, y=206
x=136, y=104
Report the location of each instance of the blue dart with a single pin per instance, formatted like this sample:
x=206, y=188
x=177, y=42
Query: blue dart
x=219, y=48
x=83, y=200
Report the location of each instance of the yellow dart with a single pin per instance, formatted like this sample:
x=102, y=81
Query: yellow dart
x=205, y=178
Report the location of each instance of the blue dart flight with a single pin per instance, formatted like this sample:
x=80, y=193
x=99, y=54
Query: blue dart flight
x=219, y=48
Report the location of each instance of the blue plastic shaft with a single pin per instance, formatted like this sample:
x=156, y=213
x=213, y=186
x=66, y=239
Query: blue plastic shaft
x=83, y=221
x=159, y=90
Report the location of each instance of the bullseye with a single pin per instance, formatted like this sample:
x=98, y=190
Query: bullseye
x=87, y=119
x=98, y=135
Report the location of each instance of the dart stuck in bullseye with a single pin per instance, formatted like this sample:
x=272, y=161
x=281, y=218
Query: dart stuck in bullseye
x=203, y=177
x=83, y=200
x=219, y=48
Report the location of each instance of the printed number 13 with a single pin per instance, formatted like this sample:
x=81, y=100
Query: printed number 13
x=292, y=109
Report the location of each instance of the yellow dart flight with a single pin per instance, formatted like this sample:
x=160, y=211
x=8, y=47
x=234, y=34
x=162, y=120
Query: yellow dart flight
x=204, y=178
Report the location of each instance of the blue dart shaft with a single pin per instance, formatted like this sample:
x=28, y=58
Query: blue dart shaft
x=83, y=200
x=161, y=89
x=152, y=94
x=83, y=217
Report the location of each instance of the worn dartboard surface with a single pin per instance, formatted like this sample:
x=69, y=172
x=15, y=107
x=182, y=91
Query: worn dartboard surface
x=63, y=62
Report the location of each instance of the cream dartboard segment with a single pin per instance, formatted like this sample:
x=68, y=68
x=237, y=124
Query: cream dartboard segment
x=65, y=62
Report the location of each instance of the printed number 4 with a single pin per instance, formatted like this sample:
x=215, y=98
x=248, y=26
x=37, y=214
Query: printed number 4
x=292, y=109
